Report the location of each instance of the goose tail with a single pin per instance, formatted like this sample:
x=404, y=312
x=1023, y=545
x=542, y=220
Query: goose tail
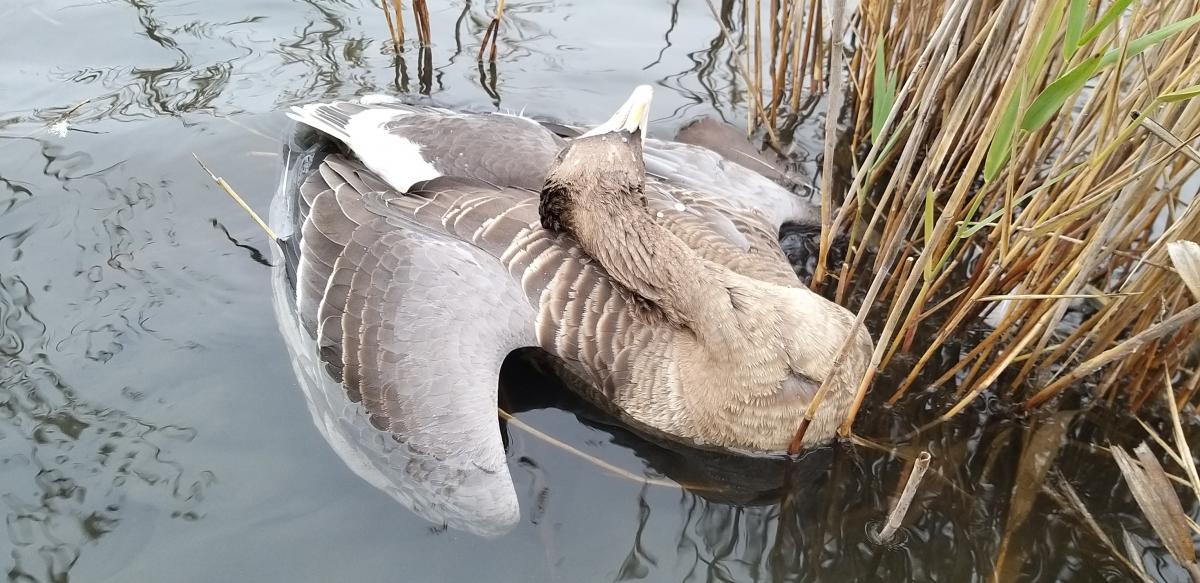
x=332, y=119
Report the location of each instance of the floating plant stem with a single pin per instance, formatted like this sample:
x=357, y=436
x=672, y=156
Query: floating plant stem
x=236, y=198
x=591, y=459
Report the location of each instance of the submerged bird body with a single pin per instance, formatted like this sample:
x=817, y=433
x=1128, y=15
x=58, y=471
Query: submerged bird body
x=433, y=243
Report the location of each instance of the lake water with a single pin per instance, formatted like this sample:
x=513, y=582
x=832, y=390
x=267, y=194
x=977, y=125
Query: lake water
x=151, y=428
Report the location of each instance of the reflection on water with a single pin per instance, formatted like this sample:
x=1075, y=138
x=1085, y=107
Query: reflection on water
x=150, y=424
x=756, y=520
x=70, y=466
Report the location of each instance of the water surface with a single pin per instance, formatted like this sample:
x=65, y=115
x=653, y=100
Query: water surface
x=151, y=428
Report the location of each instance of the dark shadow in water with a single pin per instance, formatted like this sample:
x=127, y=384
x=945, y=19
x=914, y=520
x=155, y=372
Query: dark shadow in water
x=763, y=519
x=255, y=255
x=487, y=80
x=666, y=35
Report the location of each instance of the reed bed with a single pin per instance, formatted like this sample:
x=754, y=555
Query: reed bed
x=1023, y=162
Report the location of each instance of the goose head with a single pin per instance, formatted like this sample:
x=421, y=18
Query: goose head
x=746, y=356
x=601, y=171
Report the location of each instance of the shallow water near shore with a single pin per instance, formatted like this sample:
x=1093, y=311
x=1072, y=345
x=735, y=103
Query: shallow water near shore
x=151, y=427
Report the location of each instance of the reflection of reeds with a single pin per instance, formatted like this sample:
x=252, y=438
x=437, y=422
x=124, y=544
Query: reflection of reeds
x=999, y=172
x=781, y=64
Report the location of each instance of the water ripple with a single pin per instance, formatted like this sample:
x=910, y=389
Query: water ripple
x=67, y=464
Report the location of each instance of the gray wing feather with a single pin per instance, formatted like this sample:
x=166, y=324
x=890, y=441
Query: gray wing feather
x=448, y=465
x=385, y=308
x=707, y=173
x=387, y=284
x=505, y=150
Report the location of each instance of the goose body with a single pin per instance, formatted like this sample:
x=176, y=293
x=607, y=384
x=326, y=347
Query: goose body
x=422, y=245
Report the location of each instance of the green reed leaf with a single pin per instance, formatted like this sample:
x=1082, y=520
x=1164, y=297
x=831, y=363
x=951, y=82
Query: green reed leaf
x=1001, y=146
x=1051, y=99
x=1106, y=20
x=1140, y=44
x=884, y=96
x=1181, y=95
x=1076, y=18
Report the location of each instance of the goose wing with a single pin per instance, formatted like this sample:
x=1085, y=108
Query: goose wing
x=727, y=212
x=413, y=301
x=579, y=313
x=404, y=144
x=413, y=325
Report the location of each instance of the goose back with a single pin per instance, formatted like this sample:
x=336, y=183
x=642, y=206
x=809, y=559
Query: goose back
x=415, y=262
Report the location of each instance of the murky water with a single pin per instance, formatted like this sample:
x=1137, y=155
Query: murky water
x=151, y=428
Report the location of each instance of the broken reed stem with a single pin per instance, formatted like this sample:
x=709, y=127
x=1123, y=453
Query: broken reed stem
x=900, y=510
x=238, y=199
x=1158, y=501
x=1068, y=498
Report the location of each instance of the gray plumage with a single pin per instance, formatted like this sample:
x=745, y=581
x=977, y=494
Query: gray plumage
x=419, y=260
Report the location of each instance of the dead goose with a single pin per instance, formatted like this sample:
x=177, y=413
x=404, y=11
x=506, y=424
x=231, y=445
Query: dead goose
x=440, y=241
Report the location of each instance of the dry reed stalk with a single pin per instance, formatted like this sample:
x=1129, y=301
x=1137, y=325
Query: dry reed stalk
x=395, y=22
x=1184, y=455
x=1007, y=154
x=421, y=15
x=395, y=25
x=780, y=60
x=744, y=71
x=491, y=34
x=1159, y=502
x=832, y=115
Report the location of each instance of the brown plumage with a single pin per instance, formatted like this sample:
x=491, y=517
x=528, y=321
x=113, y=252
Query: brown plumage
x=416, y=275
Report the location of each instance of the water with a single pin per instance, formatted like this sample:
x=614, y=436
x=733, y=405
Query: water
x=151, y=428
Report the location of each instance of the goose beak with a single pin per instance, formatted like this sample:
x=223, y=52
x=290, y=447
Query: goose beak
x=633, y=116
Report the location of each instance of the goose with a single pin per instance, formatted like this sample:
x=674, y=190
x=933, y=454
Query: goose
x=420, y=246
